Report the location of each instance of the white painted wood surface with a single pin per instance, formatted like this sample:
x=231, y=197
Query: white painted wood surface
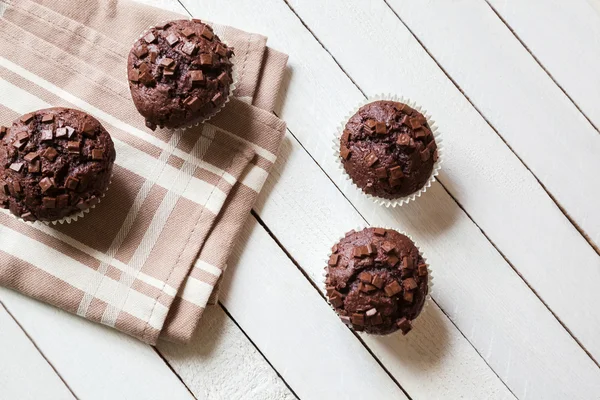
x=489, y=232
x=24, y=373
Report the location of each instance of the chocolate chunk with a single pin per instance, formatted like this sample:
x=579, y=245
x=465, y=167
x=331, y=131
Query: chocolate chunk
x=28, y=217
x=380, y=128
x=149, y=38
x=425, y=154
x=162, y=25
x=71, y=183
x=207, y=33
x=46, y=184
x=381, y=172
x=46, y=135
x=392, y=261
x=144, y=67
x=345, y=153
x=336, y=301
x=378, y=281
x=4, y=188
x=358, y=319
x=70, y=132
x=31, y=156
x=206, y=59
x=74, y=146
x=366, y=287
x=168, y=72
x=141, y=51
x=193, y=102
x=49, y=202
x=334, y=248
x=189, y=48
x=371, y=159
x=223, y=79
x=221, y=50
x=370, y=124
x=420, y=133
x=357, y=252
x=50, y=154
x=216, y=99
x=16, y=187
x=197, y=77
x=409, y=284
x=392, y=289
x=345, y=319
x=422, y=269
x=34, y=167
x=153, y=56
x=172, y=39
x=408, y=297
x=396, y=172
x=48, y=118
x=167, y=62
x=371, y=249
x=97, y=154
x=365, y=277
x=187, y=32
x=61, y=133
x=147, y=79
x=415, y=123
x=3, y=131
x=379, y=231
x=404, y=325
x=407, y=262
x=62, y=201
x=333, y=260
x=27, y=118
x=371, y=312
x=376, y=319
x=403, y=140
x=388, y=247
x=345, y=136
x=17, y=167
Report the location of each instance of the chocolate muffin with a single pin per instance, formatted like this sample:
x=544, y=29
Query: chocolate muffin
x=179, y=73
x=377, y=281
x=388, y=149
x=54, y=163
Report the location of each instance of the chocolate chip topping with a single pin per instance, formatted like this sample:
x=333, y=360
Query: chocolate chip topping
x=388, y=149
x=181, y=75
x=374, y=291
x=61, y=147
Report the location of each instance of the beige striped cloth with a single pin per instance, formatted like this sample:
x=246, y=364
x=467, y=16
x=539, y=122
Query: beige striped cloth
x=147, y=258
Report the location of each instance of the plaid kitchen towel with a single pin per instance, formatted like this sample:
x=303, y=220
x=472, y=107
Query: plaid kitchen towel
x=148, y=257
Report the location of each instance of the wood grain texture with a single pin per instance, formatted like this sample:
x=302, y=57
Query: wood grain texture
x=565, y=38
x=95, y=361
x=319, y=96
x=24, y=373
x=548, y=133
x=295, y=328
x=221, y=363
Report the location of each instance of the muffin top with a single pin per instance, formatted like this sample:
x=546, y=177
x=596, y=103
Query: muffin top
x=388, y=149
x=179, y=72
x=54, y=163
x=377, y=280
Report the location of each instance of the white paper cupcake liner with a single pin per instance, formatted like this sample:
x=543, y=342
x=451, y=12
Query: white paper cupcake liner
x=429, y=277
x=232, y=84
x=436, y=134
x=69, y=218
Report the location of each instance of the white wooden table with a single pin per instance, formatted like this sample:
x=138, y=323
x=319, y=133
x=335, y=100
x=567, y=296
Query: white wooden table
x=512, y=230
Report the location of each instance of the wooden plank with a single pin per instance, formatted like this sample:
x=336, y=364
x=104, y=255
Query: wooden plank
x=565, y=39
x=295, y=328
x=532, y=234
x=95, y=361
x=319, y=95
x=24, y=373
x=221, y=363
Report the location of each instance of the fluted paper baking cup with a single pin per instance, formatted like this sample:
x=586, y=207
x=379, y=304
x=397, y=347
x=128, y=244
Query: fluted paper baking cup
x=436, y=134
x=429, y=277
x=232, y=84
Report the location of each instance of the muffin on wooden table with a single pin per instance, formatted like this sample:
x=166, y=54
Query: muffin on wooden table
x=180, y=73
x=389, y=151
x=54, y=164
x=377, y=281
